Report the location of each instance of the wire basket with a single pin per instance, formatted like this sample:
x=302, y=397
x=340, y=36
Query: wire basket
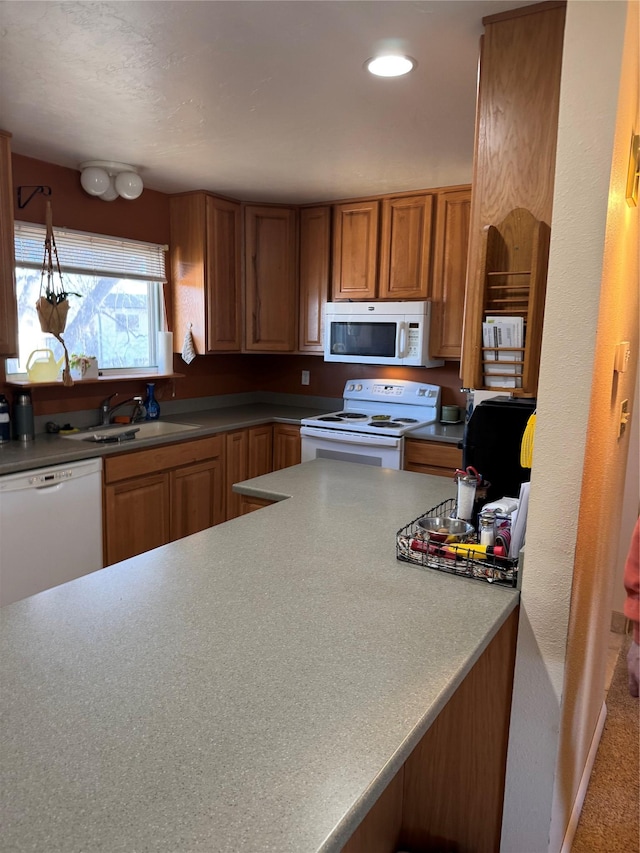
x=413, y=545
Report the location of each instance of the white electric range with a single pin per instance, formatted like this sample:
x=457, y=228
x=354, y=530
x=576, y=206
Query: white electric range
x=369, y=429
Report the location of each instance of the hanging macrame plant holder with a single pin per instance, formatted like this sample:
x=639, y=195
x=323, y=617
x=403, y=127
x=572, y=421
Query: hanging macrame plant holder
x=53, y=305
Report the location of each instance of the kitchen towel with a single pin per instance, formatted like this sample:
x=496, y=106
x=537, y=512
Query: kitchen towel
x=165, y=353
x=188, y=347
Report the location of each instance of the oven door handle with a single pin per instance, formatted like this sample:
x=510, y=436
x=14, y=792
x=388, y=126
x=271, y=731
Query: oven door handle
x=363, y=439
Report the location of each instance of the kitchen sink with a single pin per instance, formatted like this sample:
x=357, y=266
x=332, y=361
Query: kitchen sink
x=116, y=433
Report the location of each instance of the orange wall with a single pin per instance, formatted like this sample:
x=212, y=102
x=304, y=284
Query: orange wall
x=147, y=218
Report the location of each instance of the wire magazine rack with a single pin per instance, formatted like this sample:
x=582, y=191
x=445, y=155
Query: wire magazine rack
x=413, y=545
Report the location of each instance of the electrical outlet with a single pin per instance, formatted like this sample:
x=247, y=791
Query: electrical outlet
x=624, y=417
x=305, y=377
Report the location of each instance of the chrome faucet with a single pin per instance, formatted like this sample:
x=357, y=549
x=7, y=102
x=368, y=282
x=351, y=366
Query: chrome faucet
x=106, y=411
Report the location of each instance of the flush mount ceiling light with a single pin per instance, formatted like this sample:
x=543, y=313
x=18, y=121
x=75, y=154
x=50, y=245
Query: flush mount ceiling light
x=390, y=65
x=109, y=180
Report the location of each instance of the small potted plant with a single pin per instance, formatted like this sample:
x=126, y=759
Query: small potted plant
x=83, y=366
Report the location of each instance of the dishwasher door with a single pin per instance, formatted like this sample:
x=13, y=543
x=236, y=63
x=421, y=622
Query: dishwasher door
x=50, y=527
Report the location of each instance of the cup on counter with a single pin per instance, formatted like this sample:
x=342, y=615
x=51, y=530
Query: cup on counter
x=450, y=414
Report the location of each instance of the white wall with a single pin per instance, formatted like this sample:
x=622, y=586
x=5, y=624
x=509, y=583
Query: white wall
x=594, y=36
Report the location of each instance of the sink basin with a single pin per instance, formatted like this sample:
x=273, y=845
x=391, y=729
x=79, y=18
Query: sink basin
x=124, y=432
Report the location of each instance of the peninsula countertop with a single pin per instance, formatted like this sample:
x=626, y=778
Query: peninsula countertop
x=253, y=687
x=47, y=449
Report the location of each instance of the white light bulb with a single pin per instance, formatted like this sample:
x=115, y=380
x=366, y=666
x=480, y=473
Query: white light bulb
x=390, y=65
x=95, y=181
x=111, y=193
x=129, y=185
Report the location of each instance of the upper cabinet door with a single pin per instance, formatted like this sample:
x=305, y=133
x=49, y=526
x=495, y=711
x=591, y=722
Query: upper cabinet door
x=271, y=287
x=205, y=264
x=224, y=304
x=449, y=272
x=405, y=247
x=315, y=250
x=355, y=250
x=8, y=304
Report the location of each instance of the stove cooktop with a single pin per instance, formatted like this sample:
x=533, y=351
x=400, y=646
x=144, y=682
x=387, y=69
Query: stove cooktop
x=386, y=407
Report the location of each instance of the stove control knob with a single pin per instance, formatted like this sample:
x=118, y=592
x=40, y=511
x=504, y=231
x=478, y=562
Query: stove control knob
x=358, y=387
x=350, y=387
x=420, y=392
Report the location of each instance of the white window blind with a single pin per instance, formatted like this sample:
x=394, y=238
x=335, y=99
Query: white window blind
x=92, y=254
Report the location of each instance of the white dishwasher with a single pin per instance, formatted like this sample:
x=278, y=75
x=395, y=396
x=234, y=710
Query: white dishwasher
x=50, y=527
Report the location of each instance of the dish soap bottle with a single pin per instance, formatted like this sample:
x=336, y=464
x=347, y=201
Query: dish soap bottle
x=151, y=404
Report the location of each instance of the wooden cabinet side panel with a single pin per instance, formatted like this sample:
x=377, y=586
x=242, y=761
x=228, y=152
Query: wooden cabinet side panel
x=449, y=273
x=136, y=517
x=454, y=779
x=197, y=498
x=270, y=279
x=380, y=830
x=188, y=248
x=8, y=303
x=287, y=446
x=514, y=164
x=355, y=250
x=405, y=247
x=260, y=444
x=315, y=249
x=223, y=285
x=236, y=468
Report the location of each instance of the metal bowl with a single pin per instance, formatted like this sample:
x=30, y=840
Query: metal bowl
x=441, y=529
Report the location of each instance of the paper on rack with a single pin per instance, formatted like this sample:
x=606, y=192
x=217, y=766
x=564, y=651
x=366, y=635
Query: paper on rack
x=499, y=334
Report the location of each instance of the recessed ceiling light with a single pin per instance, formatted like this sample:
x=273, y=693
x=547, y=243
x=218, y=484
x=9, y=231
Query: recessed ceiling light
x=390, y=65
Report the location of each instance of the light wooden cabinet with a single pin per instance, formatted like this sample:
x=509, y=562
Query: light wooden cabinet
x=287, y=446
x=315, y=252
x=405, y=247
x=355, y=250
x=271, y=285
x=154, y=496
x=249, y=453
x=205, y=264
x=8, y=304
x=514, y=163
x=431, y=457
x=449, y=272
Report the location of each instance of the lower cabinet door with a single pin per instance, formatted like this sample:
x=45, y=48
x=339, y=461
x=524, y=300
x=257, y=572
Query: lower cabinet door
x=286, y=446
x=137, y=516
x=197, y=497
x=248, y=504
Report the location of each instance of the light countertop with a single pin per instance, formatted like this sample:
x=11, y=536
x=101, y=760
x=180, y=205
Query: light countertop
x=251, y=688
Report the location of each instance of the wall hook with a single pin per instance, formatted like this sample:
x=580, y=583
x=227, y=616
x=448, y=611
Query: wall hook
x=35, y=190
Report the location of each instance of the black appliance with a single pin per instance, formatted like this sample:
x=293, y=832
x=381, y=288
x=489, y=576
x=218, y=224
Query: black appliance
x=492, y=440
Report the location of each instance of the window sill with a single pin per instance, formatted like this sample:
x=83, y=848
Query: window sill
x=122, y=377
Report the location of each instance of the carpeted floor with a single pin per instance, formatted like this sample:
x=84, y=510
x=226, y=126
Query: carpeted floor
x=609, y=822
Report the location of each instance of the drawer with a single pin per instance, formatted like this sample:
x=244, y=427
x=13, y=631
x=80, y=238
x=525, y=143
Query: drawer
x=161, y=458
x=431, y=457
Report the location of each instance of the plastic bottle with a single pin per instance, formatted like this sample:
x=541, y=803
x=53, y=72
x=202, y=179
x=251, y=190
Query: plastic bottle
x=151, y=404
x=5, y=419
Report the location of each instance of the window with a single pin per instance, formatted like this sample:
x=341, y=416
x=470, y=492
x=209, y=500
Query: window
x=120, y=307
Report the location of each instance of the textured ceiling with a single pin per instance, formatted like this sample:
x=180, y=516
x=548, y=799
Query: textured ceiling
x=263, y=100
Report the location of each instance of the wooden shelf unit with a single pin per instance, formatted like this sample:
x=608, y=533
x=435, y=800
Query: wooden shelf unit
x=513, y=280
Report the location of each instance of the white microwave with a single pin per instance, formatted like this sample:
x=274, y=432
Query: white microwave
x=378, y=333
